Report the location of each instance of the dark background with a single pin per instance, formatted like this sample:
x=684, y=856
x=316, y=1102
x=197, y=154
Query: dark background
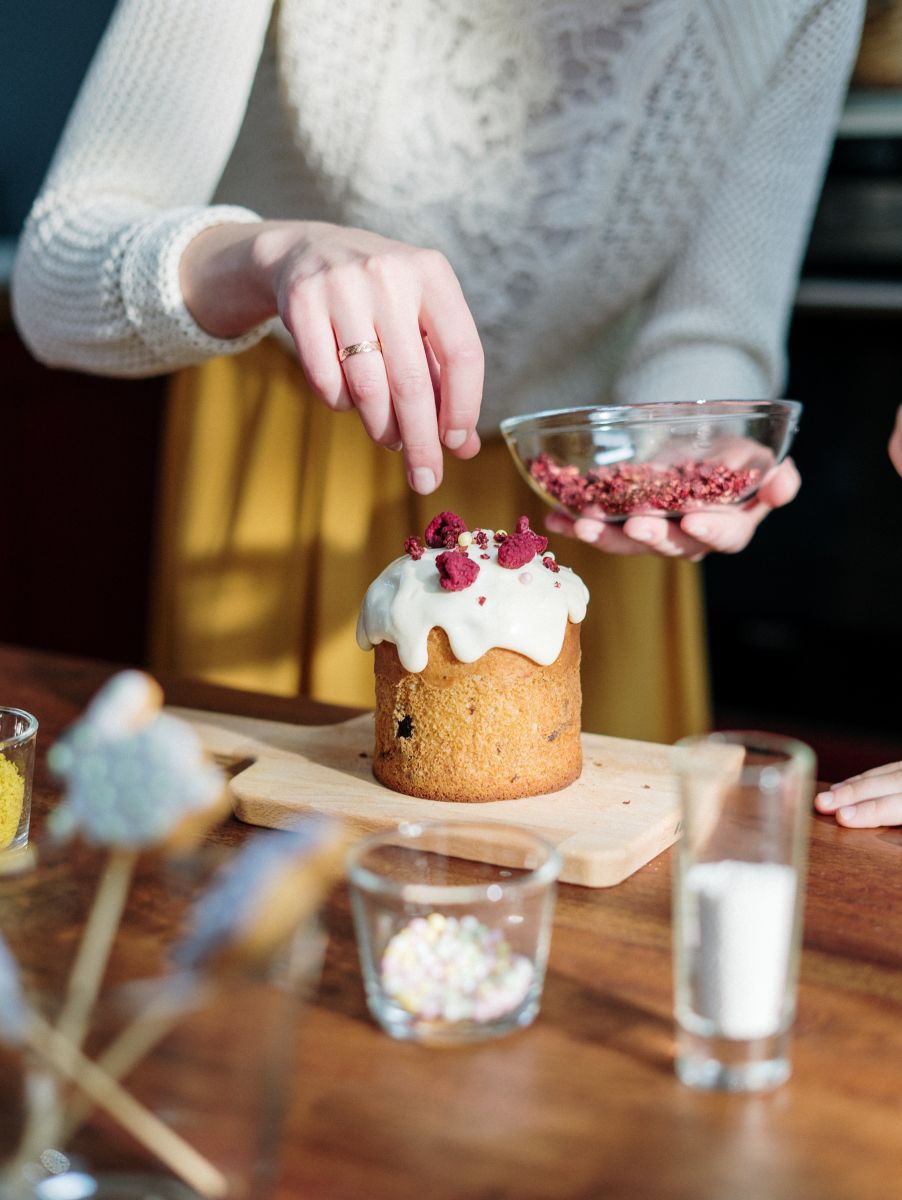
x=805, y=626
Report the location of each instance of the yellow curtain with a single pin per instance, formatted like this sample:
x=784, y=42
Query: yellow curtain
x=276, y=514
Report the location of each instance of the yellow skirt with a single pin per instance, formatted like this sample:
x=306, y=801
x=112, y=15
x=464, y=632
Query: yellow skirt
x=277, y=513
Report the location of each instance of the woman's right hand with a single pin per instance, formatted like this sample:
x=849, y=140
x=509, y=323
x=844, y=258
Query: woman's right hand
x=333, y=287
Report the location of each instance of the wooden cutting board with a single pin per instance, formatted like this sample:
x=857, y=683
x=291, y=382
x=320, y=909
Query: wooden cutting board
x=620, y=813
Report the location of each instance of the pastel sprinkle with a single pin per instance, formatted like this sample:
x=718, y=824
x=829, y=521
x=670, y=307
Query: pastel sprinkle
x=454, y=969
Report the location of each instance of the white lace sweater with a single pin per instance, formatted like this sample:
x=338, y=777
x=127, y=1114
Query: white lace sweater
x=623, y=187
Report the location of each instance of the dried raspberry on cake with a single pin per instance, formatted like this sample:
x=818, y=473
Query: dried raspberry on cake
x=414, y=547
x=456, y=571
x=540, y=541
x=444, y=530
x=521, y=547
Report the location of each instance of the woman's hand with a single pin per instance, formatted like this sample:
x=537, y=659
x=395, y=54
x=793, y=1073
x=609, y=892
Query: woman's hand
x=334, y=287
x=867, y=800
x=696, y=534
x=895, y=442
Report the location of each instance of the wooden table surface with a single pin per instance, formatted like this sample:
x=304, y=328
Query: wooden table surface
x=584, y=1105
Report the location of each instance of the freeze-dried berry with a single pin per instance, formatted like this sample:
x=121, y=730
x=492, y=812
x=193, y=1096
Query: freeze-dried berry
x=481, y=538
x=541, y=542
x=414, y=547
x=481, y=600
x=444, y=530
x=549, y=562
x=456, y=571
x=517, y=550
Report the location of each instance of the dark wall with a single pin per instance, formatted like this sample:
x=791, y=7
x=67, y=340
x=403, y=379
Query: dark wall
x=45, y=48
x=77, y=484
x=806, y=624
x=77, y=493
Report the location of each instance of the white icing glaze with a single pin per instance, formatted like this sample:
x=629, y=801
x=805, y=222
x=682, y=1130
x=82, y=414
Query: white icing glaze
x=406, y=601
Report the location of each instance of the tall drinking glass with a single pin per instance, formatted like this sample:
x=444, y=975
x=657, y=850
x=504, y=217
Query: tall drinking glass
x=739, y=887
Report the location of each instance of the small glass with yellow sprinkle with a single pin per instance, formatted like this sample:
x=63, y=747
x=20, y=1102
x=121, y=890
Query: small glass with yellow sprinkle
x=18, y=732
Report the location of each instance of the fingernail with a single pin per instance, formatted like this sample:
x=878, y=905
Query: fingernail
x=848, y=813
x=455, y=438
x=825, y=800
x=587, y=531
x=396, y=446
x=699, y=531
x=422, y=480
x=644, y=535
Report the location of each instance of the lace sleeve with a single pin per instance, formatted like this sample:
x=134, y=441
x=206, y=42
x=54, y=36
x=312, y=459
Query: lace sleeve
x=95, y=283
x=716, y=325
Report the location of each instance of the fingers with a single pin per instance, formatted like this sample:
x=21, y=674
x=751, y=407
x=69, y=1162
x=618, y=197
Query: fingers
x=307, y=319
x=780, y=485
x=730, y=531
x=337, y=287
x=895, y=442
x=638, y=535
x=364, y=374
x=412, y=396
x=447, y=322
x=867, y=800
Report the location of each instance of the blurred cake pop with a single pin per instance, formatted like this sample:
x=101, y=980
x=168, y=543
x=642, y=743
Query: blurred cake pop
x=134, y=776
x=273, y=883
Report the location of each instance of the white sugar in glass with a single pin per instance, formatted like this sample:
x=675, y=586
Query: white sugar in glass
x=739, y=887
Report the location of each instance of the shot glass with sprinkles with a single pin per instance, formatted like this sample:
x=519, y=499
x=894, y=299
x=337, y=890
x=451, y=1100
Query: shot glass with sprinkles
x=453, y=923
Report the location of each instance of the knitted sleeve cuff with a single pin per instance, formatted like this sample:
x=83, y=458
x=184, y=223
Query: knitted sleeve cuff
x=152, y=293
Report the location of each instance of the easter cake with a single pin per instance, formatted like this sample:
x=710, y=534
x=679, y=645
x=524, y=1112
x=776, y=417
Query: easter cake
x=477, y=653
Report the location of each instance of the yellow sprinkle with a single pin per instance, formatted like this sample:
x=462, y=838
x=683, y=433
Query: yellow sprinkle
x=12, y=796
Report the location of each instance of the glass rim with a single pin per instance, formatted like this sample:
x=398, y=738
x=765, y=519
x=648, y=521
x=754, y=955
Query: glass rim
x=625, y=414
x=796, y=753
x=16, y=739
x=404, y=835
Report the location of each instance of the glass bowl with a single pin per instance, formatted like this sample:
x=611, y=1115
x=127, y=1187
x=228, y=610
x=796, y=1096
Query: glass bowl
x=618, y=461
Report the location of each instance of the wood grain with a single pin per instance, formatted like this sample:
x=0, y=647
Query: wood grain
x=584, y=1105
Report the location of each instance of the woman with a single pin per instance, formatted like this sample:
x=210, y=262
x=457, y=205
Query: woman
x=616, y=196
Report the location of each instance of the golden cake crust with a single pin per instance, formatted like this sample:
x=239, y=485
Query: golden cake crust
x=498, y=728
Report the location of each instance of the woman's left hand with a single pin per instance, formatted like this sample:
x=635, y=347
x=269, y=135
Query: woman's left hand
x=696, y=534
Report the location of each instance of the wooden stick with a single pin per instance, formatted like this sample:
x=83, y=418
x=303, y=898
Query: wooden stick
x=45, y=1118
x=95, y=945
x=136, y=1041
x=143, y=1125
